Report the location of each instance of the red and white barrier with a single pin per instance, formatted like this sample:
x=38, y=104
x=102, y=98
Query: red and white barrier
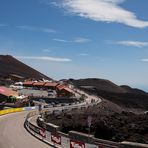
x=48, y=136
x=76, y=144
x=91, y=146
x=65, y=142
x=56, y=139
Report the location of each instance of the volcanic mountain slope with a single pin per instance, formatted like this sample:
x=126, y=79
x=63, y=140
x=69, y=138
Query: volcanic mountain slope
x=109, y=122
x=99, y=84
x=122, y=95
x=10, y=65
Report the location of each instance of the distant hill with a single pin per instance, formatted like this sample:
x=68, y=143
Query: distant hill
x=122, y=95
x=132, y=90
x=10, y=65
x=99, y=84
x=105, y=85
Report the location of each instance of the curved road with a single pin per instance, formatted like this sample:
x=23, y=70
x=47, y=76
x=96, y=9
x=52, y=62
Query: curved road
x=14, y=135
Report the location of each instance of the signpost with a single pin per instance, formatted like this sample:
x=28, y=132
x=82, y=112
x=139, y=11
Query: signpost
x=43, y=133
x=40, y=108
x=89, y=120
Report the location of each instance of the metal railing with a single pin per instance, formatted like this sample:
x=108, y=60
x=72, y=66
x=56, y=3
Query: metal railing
x=51, y=135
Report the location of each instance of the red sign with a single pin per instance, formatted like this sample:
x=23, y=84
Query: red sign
x=76, y=144
x=101, y=146
x=1, y=90
x=43, y=133
x=56, y=139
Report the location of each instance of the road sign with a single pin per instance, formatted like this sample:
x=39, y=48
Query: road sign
x=89, y=120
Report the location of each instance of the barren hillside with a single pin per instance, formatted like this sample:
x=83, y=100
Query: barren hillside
x=124, y=96
x=10, y=65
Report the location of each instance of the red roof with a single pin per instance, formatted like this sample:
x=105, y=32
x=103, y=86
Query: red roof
x=50, y=84
x=39, y=83
x=68, y=90
x=7, y=91
x=60, y=87
x=28, y=83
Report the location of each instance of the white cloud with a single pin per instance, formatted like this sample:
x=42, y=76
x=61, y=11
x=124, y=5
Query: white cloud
x=36, y=29
x=102, y=10
x=3, y=25
x=81, y=40
x=61, y=40
x=83, y=54
x=46, y=50
x=115, y=1
x=54, y=59
x=133, y=43
x=47, y=30
x=144, y=60
x=76, y=40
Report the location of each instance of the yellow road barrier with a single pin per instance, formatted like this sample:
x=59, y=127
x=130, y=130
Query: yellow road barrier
x=11, y=110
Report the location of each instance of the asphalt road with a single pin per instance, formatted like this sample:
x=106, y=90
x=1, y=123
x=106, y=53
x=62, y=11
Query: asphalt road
x=14, y=135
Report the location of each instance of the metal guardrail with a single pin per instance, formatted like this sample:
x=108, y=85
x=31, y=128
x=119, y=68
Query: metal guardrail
x=58, y=139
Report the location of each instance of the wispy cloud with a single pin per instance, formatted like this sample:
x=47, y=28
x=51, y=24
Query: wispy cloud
x=144, y=60
x=81, y=40
x=76, y=40
x=83, y=54
x=46, y=50
x=54, y=59
x=3, y=25
x=102, y=10
x=61, y=40
x=36, y=29
x=132, y=43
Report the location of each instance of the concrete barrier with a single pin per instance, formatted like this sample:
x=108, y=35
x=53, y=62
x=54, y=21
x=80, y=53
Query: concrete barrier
x=30, y=108
x=11, y=110
x=14, y=110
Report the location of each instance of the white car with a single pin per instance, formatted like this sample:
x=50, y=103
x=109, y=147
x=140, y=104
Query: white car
x=16, y=87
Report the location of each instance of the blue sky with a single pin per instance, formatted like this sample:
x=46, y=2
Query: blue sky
x=79, y=38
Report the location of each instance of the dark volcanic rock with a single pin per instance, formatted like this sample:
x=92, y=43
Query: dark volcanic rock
x=110, y=123
x=10, y=65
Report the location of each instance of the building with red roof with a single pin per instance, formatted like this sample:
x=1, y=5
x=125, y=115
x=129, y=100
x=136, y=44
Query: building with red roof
x=64, y=91
x=6, y=93
x=60, y=87
x=39, y=84
x=51, y=85
x=28, y=83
